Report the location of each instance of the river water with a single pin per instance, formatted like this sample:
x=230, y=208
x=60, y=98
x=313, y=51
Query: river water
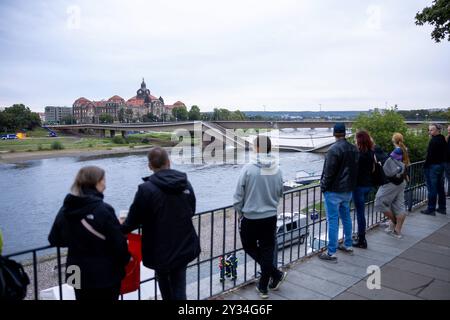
x=31, y=193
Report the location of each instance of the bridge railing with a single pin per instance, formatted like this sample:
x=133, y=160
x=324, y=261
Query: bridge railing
x=301, y=232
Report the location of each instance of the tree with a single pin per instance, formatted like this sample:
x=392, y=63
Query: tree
x=381, y=127
x=106, y=118
x=18, y=117
x=128, y=115
x=149, y=117
x=180, y=113
x=68, y=120
x=194, y=113
x=121, y=115
x=438, y=15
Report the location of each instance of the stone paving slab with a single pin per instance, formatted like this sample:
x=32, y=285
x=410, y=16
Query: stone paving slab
x=438, y=290
x=427, y=257
x=384, y=293
x=404, y=281
x=349, y=296
x=420, y=268
x=313, y=283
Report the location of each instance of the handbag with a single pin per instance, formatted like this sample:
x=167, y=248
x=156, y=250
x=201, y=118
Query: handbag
x=132, y=280
x=378, y=177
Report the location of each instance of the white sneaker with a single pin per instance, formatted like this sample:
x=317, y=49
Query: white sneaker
x=390, y=229
x=396, y=235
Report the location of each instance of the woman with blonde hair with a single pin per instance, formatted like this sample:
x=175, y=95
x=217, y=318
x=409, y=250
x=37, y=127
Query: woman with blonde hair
x=390, y=198
x=90, y=229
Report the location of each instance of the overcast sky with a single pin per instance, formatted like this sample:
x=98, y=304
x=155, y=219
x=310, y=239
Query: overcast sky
x=246, y=54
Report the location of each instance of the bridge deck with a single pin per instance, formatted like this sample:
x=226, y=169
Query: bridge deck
x=415, y=267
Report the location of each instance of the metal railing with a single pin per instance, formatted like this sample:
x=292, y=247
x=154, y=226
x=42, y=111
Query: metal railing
x=301, y=232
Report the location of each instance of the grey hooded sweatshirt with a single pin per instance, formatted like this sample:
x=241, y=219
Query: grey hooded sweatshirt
x=259, y=188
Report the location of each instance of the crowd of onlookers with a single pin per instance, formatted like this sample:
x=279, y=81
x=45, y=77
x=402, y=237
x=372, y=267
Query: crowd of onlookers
x=165, y=203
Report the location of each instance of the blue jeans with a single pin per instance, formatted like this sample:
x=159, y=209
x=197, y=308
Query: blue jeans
x=434, y=175
x=337, y=204
x=359, y=199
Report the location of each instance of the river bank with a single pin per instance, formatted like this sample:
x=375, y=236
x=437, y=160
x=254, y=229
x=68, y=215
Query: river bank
x=19, y=157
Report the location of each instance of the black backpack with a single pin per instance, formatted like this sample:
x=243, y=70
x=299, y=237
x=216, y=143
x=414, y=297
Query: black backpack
x=13, y=280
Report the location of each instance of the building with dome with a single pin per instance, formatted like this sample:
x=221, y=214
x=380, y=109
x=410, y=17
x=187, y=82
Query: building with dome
x=140, y=108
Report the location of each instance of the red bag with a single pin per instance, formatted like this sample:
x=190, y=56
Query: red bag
x=132, y=279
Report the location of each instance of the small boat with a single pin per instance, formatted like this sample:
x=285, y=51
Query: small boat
x=289, y=185
x=304, y=177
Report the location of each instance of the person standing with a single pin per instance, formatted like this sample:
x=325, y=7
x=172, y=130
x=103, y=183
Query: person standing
x=364, y=183
x=390, y=197
x=447, y=164
x=258, y=192
x=164, y=206
x=339, y=177
x=91, y=231
x=434, y=169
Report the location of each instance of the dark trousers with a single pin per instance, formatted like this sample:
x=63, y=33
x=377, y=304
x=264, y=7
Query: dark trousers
x=447, y=175
x=172, y=284
x=434, y=175
x=105, y=294
x=258, y=241
x=359, y=199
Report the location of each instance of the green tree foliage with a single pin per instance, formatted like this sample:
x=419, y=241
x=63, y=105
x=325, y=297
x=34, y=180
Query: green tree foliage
x=128, y=116
x=194, y=113
x=223, y=114
x=149, y=117
x=180, y=113
x=381, y=126
x=106, y=118
x=121, y=115
x=68, y=120
x=438, y=15
x=18, y=117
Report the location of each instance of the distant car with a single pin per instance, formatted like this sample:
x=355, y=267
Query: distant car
x=8, y=136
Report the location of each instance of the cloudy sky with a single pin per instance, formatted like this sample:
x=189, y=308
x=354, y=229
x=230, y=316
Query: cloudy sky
x=246, y=54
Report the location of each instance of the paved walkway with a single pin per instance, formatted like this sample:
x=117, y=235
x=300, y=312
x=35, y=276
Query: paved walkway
x=415, y=267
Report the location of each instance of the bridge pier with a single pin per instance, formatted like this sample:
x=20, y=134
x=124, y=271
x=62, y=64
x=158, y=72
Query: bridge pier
x=102, y=133
x=124, y=133
x=112, y=133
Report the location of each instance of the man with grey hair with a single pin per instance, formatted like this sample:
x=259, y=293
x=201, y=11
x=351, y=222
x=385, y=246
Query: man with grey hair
x=434, y=169
x=164, y=206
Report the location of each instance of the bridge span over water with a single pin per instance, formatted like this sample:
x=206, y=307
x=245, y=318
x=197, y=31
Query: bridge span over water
x=218, y=129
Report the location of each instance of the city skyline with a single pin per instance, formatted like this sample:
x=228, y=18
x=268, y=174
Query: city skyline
x=252, y=56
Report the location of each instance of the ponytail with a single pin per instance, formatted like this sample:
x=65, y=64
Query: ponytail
x=397, y=138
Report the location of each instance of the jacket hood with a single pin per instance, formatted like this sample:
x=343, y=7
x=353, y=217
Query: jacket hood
x=264, y=161
x=76, y=207
x=169, y=180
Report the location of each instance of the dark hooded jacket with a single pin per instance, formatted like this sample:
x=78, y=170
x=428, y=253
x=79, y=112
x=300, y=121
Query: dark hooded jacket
x=164, y=206
x=102, y=261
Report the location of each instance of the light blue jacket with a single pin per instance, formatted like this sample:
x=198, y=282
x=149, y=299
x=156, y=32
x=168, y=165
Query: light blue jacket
x=259, y=188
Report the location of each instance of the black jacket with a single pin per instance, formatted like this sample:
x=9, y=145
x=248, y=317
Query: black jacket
x=365, y=169
x=102, y=262
x=437, y=151
x=448, y=150
x=340, y=168
x=164, y=205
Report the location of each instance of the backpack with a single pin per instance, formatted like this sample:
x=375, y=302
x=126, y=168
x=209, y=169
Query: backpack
x=393, y=168
x=13, y=280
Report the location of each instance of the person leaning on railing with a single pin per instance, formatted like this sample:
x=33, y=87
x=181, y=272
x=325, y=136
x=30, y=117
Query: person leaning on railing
x=91, y=231
x=390, y=197
x=447, y=163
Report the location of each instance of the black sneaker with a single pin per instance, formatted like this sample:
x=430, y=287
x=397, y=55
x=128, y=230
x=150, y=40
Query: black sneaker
x=326, y=257
x=442, y=211
x=264, y=294
x=428, y=212
x=360, y=243
x=276, y=283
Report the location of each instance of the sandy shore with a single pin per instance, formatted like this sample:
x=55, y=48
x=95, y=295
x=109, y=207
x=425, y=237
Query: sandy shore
x=18, y=157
